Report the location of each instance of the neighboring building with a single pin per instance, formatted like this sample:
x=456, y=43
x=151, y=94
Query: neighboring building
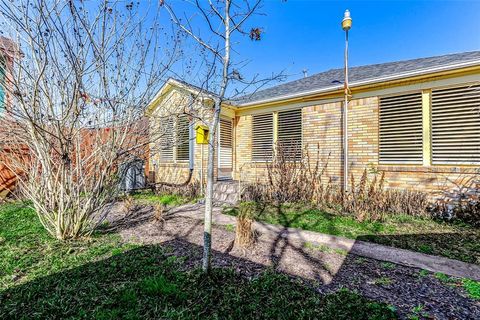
x=416, y=120
x=8, y=52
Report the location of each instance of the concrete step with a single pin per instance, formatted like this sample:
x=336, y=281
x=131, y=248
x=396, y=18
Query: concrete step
x=226, y=192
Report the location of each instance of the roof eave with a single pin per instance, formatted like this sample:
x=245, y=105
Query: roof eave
x=171, y=82
x=364, y=82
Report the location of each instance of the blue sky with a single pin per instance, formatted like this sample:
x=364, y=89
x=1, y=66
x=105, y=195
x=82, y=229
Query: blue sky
x=307, y=34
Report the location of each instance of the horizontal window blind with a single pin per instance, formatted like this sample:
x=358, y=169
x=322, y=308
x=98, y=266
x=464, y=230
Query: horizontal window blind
x=183, y=138
x=290, y=134
x=226, y=139
x=401, y=129
x=456, y=125
x=166, y=139
x=226, y=143
x=262, y=137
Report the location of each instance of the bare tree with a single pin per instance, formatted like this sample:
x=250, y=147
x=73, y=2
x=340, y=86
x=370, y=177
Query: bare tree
x=77, y=90
x=224, y=22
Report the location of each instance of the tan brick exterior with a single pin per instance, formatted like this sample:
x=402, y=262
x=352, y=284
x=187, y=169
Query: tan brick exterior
x=178, y=171
x=322, y=129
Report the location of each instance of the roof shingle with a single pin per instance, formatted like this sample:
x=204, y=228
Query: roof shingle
x=335, y=76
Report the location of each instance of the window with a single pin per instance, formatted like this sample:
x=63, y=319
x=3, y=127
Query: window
x=175, y=139
x=401, y=129
x=2, y=84
x=289, y=134
x=262, y=137
x=166, y=139
x=456, y=125
x=226, y=143
x=183, y=138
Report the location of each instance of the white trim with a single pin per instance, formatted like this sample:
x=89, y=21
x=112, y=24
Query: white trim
x=413, y=87
x=367, y=81
x=203, y=94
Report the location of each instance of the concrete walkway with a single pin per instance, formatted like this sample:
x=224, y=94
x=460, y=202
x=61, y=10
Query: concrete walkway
x=361, y=248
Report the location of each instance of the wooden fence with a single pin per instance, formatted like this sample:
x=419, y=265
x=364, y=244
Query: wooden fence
x=8, y=179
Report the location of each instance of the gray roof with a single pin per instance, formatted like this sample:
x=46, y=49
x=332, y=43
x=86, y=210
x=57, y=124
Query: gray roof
x=335, y=76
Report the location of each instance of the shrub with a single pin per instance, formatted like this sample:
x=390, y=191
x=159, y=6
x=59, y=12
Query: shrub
x=129, y=204
x=302, y=177
x=465, y=210
x=370, y=201
x=159, y=212
x=189, y=191
x=244, y=233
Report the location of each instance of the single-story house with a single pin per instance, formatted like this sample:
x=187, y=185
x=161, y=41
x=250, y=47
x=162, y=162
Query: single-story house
x=416, y=120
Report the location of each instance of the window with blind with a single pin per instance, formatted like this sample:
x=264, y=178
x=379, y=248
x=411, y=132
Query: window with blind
x=2, y=84
x=183, y=138
x=456, y=125
x=289, y=134
x=226, y=143
x=166, y=139
x=401, y=139
x=262, y=137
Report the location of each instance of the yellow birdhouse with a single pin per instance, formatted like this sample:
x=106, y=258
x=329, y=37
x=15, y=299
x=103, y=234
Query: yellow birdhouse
x=201, y=134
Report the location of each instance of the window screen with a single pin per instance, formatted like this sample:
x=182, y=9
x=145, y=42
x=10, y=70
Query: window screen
x=290, y=133
x=166, y=139
x=456, y=125
x=262, y=137
x=183, y=138
x=401, y=129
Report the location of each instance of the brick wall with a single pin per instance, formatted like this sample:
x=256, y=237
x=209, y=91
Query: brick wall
x=178, y=171
x=244, y=168
x=322, y=133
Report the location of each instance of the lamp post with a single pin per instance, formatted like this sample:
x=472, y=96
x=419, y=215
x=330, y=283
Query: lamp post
x=346, y=25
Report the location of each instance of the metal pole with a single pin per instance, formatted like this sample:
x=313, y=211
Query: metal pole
x=345, y=119
x=201, y=171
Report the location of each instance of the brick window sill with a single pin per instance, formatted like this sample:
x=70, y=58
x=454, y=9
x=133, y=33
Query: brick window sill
x=181, y=164
x=429, y=169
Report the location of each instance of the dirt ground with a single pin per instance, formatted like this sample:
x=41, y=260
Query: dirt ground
x=411, y=291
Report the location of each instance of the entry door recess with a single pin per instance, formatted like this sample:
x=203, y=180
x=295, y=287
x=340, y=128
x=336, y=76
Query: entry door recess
x=225, y=160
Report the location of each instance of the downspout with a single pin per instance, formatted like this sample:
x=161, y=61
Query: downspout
x=191, y=154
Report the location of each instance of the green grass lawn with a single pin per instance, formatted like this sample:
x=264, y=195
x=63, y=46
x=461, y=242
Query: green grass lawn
x=456, y=241
x=149, y=197
x=104, y=278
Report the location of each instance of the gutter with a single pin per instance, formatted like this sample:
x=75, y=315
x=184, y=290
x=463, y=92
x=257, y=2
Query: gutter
x=365, y=82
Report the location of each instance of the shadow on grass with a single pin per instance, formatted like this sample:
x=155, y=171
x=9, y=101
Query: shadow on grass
x=441, y=239
x=463, y=247
x=162, y=281
x=141, y=215
x=152, y=282
x=321, y=270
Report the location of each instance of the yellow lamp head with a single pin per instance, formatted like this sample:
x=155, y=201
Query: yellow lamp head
x=347, y=21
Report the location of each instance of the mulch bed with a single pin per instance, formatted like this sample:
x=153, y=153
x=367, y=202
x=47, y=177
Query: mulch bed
x=411, y=292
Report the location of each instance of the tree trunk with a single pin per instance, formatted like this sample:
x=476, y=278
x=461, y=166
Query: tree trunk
x=207, y=234
x=207, y=227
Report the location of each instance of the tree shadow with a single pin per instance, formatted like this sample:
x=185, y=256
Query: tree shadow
x=459, y=246
x=121, y=221
x=281, y=243
x=142, y=214
x=150, y=282
x=163, y=281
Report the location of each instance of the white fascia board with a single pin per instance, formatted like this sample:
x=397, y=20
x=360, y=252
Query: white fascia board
x=366, y=82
